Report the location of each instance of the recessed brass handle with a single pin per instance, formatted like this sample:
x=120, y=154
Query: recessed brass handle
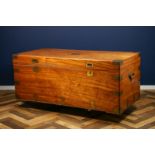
x=35, y=61
x=89, y=65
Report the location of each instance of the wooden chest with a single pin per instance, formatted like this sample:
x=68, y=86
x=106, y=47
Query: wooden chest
x=95, y=80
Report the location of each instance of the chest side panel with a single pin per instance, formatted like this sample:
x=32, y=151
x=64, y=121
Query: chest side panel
x=85, y=84
x=130, y=83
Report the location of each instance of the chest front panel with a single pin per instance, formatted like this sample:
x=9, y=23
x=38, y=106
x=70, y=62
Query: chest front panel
x=89, y=81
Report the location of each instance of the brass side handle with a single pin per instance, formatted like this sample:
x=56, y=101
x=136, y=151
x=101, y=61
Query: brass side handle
x=131, y=76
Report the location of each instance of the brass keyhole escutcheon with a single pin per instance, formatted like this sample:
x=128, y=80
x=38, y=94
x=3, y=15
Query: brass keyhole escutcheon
x=89, y=73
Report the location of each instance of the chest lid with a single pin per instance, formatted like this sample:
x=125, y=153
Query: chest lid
x=74, y=59
x=79, y=54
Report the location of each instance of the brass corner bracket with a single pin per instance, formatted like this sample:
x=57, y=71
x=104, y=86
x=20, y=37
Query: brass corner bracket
x=118, y=93
x=117, y=62
x=118, y=77
x=14, y=56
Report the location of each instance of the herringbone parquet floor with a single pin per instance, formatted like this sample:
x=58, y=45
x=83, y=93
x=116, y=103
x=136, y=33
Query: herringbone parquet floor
x=18, y=115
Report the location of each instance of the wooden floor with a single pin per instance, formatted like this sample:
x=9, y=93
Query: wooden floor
x=19, y=115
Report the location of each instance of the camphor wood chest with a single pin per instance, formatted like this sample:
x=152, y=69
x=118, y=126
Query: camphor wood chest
x=95, y=80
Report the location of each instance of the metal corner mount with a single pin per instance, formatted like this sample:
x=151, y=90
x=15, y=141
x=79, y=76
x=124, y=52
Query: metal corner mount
x=120, y=111
x=118, y=77
x=16, y=70
x=117, y=62
x=17, y=96
x=118, y=93
x=117, y=111
x=16, y=82
x=14, y=56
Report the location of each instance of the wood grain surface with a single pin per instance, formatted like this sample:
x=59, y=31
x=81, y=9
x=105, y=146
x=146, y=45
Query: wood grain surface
x=78, y=78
